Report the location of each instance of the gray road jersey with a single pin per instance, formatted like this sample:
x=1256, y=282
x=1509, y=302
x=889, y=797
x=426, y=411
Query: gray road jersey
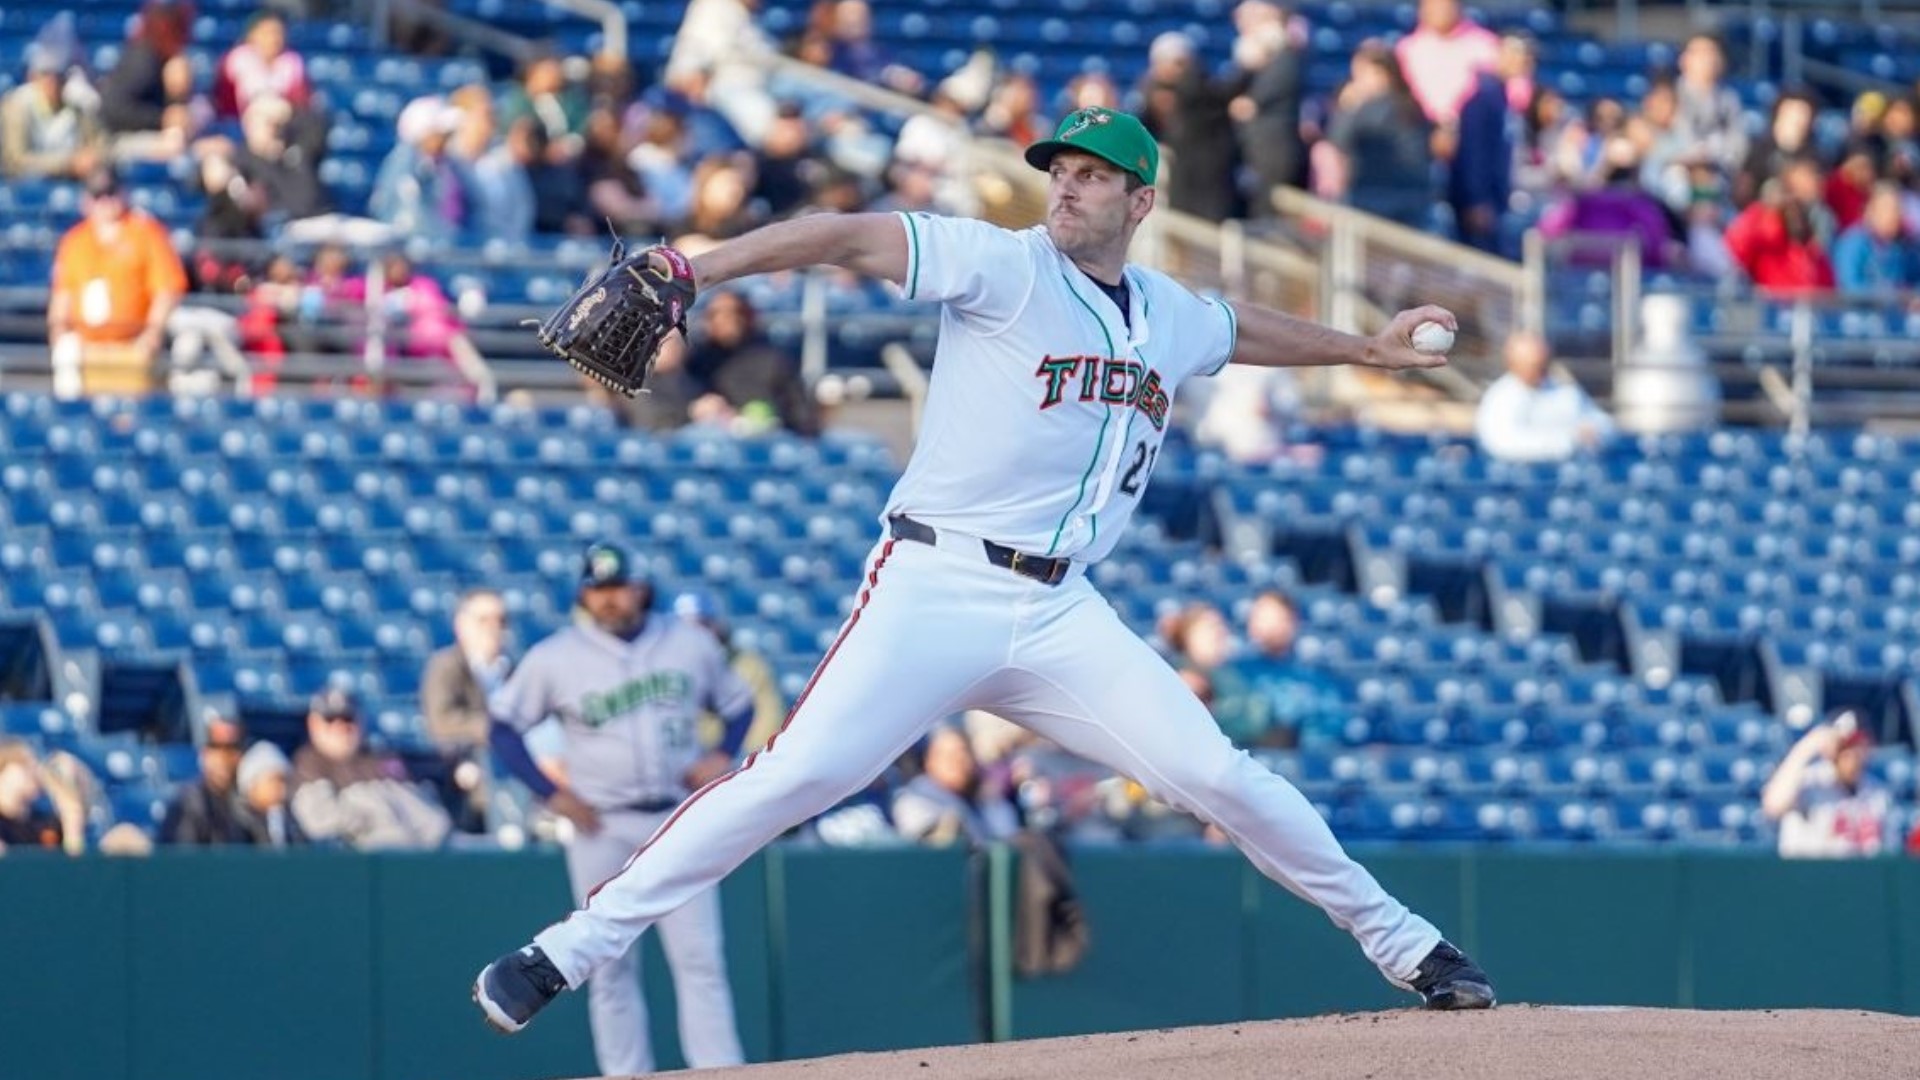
x=630, y=710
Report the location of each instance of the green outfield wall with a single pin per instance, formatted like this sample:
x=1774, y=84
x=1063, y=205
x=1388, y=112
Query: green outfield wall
x=235, y=965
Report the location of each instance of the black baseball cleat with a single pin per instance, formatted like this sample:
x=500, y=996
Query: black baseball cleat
x=516, y=986
x=1447, y=979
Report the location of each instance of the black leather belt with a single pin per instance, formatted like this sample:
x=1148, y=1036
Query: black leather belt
x=1041, y=569
x=652, y=806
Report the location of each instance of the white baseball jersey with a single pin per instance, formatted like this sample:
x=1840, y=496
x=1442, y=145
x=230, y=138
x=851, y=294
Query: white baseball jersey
x=630, y=710
x=1023, y=331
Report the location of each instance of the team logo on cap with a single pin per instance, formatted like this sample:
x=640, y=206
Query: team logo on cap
x=1086, y=119
x=605, y=563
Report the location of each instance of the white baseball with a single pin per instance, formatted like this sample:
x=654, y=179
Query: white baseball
x=1432, y=338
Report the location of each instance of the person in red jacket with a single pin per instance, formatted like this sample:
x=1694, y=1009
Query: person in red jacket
x=1773, y=240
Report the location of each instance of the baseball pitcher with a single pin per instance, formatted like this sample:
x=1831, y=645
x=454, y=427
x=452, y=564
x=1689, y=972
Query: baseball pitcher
x=1052, y=385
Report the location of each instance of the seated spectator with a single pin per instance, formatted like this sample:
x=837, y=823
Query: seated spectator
x=947, y=803
x=1198, y=637
x=785, y=167
x=421, y=190
x=419, y=319
x=1775, y=243
x=1877, y=255
x=1271, y=49
x=732, y=376
x=1532, y=414
x=38, y=808
x=1248, y=412
x=1385, y=157
x=857, y=56
x=1013, y=111
x=1820, y=794
x=233, y=212
x=542, y=94
x=44, y=131
x=280, y=156
x=453, y=695
x=503, y=193
x=614, y=190
x=1443, y=57
x=1899, y=142
x=1092, y=90
x=720, y=209
x=1266, y=697
x=116, y=282
x=260, y=65
x=1849, y=186
x=344, y=792
x=1789, y=136
x=1620, y=209
x=147, y=100
x=264, y=812
x=478, y=123
x=665, y=168
x=208, y=811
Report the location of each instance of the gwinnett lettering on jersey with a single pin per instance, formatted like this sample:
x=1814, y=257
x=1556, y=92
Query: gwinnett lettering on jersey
x=1106, y=380
x=657, y=688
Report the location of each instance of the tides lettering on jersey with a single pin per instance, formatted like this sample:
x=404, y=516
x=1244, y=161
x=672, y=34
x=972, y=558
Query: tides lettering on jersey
x=657, y=688
x=1108, y=380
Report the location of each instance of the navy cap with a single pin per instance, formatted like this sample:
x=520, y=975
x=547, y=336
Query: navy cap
x=605, y=564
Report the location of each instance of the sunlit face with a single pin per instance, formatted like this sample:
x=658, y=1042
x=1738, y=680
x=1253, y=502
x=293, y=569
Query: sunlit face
x=269, y=791
x=106, y=208
x=1793, y=122
x=1440, y=16
x=218, y=765
x=1883, y=214
x=1701, y=62
x=1209, y=640
x=950, y=760
x=1850, y=764
x=268, y=38
x=1088, y=204
x=481, y=625
x=1272, y=626
x=1527, y=359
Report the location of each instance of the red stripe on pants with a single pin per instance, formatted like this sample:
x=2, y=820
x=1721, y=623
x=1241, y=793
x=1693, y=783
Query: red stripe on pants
x=866, y=594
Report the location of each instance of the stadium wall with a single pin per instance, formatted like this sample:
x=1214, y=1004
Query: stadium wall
x=334, y=966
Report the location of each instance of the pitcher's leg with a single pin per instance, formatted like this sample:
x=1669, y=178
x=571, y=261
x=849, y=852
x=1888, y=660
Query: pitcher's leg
x=906, y=657
x=616, y=1011
x=1095, y=688
x=696, y=951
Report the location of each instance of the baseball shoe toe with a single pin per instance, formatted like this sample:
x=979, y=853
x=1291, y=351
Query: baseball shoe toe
x=1447, y=979
x=515, y=987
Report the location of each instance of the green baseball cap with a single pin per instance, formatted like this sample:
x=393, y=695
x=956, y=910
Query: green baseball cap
x=1111, y=136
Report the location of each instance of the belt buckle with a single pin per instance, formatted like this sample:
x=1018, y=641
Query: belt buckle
x=1049, y=576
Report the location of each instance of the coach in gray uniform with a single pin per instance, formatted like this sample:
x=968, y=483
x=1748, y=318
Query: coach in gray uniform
x=628, y=687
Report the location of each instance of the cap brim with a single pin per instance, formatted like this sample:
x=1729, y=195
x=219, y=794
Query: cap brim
x=1041, y=154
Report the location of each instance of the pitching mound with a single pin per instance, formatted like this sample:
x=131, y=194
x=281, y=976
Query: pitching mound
x=1514, y=1042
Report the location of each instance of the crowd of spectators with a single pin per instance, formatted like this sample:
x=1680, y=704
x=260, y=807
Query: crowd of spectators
x=1449, y=127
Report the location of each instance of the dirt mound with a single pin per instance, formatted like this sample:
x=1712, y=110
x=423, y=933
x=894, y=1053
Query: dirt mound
x=1514, y=1042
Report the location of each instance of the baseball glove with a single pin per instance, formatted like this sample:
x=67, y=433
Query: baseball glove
x=613, y=325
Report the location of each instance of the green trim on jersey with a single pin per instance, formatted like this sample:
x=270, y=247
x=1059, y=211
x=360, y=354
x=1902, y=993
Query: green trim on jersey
x=913, y=256
x=1101, y=440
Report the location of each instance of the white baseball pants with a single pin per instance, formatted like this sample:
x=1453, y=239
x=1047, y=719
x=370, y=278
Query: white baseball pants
x=694, y=941
x=938, y=630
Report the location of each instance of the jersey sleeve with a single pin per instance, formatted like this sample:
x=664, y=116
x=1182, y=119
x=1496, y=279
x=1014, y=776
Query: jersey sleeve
x=1216, y=331
x=979, y=269
x=526, y=698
